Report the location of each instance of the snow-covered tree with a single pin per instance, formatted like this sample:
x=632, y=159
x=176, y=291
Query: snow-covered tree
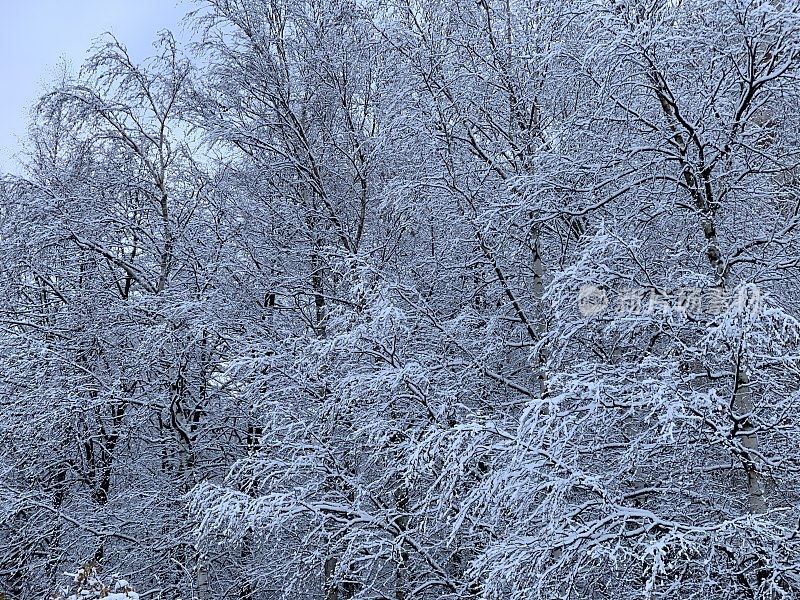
x=411, y=299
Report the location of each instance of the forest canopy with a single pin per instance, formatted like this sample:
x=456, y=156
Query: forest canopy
x=410, y=300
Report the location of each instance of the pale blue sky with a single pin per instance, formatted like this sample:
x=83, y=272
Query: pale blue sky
x=37, y=35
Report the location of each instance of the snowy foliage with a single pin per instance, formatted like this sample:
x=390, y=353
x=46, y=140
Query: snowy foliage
x=297, y=313
x=87, y=584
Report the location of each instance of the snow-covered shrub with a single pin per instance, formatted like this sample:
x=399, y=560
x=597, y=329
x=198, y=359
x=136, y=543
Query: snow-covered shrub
x=88, y=584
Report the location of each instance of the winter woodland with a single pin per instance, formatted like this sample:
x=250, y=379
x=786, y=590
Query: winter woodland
x=410, y=300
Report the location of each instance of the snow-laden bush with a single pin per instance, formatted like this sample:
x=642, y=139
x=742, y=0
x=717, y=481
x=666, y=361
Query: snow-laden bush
x=88, y=584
